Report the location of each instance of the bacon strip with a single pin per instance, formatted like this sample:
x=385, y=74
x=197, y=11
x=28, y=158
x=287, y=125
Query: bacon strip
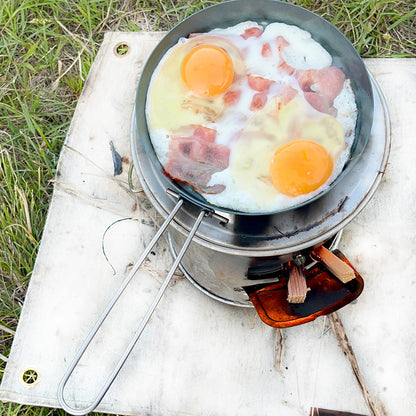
x=252, y=32
x=327, y=81
x=196, y=158
x=258, y=101
x=321, y=87
x=285, y=67
x=281, y=43
x=205, y=134
x=232, y=97
x=259, y=83
x=266, y=50
x=286, y=93
x=321, y=103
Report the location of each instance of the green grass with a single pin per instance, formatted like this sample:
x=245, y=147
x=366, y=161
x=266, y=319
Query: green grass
x=46, y=50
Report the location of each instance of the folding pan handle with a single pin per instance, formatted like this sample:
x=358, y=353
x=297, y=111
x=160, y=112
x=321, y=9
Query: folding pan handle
x=144, y=321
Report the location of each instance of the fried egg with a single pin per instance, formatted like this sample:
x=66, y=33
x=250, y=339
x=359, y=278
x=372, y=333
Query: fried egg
x=286, y=139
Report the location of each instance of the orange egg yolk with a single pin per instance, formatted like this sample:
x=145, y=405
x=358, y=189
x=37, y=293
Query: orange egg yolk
x=300, y=167
x=207, y=71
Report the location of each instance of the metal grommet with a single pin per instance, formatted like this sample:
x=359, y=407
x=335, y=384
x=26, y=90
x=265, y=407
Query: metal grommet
x=121, y=49
x=29, y=377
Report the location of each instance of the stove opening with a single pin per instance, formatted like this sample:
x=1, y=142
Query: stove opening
x=266, y=269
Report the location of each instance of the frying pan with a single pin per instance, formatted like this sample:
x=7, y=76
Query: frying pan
x=263, y=12
x=220, y=16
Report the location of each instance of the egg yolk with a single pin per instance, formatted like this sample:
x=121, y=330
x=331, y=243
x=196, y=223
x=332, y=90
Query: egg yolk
x=207, y=71
x=300, y=167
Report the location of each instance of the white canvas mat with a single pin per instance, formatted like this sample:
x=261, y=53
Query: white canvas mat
x=198, y=356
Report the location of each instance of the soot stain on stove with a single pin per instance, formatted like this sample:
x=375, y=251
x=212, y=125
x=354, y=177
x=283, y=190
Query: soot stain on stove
x=244, y=229
x=297, y=230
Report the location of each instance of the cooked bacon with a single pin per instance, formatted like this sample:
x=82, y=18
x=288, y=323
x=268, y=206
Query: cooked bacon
x=330, y=81
x=201, y=151
x=204, y=133
x=232, y=97
x=259, y=101
x=252, y=32
x=327, y=81
x=286, y=93
x=321, y=103
x=321, y=87
x=305, y=80
x=193, y=173
x=290, y=70
x=258, y=83
x=196, y=158
x=281, y=42
x=266, y=50
x=280, y=100
x=283, y=93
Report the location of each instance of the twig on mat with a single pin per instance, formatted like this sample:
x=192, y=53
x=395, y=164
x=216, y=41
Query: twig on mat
x=341, y=335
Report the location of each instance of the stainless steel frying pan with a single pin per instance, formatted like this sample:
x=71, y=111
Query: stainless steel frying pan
x=263, y=12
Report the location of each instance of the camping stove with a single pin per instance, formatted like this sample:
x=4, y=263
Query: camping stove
x=230, y=254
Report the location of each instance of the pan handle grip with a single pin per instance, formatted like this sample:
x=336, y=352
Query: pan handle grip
x=143, y=323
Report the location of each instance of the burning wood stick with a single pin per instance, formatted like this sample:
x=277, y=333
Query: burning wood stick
x=296, y=285
x=335, y=265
